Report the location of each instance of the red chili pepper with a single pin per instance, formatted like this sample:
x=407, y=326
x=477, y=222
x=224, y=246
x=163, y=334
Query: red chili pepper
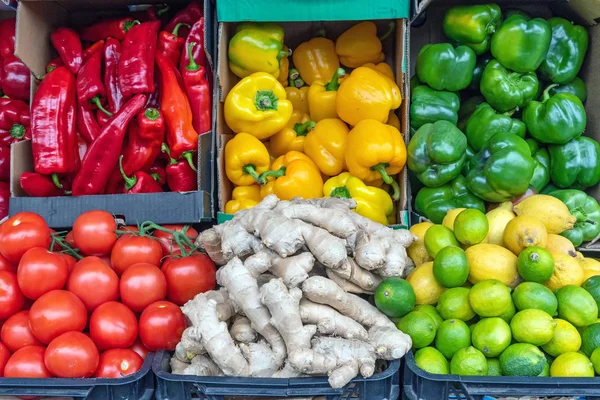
x=87, y=125
x=112, y=53
x=15, y=121
x=7, y=37
x=53, y=114
x=91, y=49
x=198, y=91
x=145, y=140
x=4, y=163
x=136, y=66
x=15, y=79
x=4, y=199
x=38, y=185
x=68, y=45
x=140, y=182
x=102, y=118
x=90, y=89
x=181, y=175
x=170, y=45
x=153, y=13
x=159, y=174
x=189, y=15
x=197, y=36
x=82, y=147
x=103, y=154
x=57, y=62
x=152, y=124
x=116, y=28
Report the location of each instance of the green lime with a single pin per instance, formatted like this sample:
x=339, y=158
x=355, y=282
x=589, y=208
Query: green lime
x=452, y=336
x=572, y=364
x=565, y=339
x=454, y=303
x=431, y=360
x=491, y=336
x=592, y=285
x=420, y=327
x=595, y=359
x=432, y=312
x=532, y=326
x=522, y=359
x=576, y=305
x=468, y=361
x=590, y=339
x=534, y=295
x=509, y=313
x=437, y=237
x=489, y=298
x=535, y=264
x=395, y=297
x=546, y=370
x=450, y=267
x=471, y=226
x=494, y=367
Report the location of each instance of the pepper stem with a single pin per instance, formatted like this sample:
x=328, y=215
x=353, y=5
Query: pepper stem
x=321, y=33
x=152, y=113
x=391, y=28
x=50, y=69
x=96, y=101
x=262, y=179
x=192, y=66
x=341, y=192
x=18, y=131
x=155, y=176
x=165, y=149
x=265, y=100
x=299, y=82
x=546, y=94
x=284, y=53
x=130, y=24
x=56, y=181
x=179, y=25
x=387, y=179
x=511, y=112
x=305, y=128
x=129, y=181
x=333, y=84
x=251, y=170
x=189, y=157
x=294, y=73
x=163, y=10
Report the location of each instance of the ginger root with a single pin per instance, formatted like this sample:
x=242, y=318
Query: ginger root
x=331, y=322
x=241, y=330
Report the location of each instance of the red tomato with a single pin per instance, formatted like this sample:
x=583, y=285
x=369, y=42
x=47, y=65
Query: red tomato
x=4, y=356
x=70, y=240
x=161, y=325
x=41, y=271
x=6, y=265
x=113, y=325
x=93, y=282
x=11, y=298
x=72, y=355
x=141, y=285
x=168, y=243
x=22, y=232
x=55, y=313
x=94, y=232
x=131, y=249
x=16, y=334
x=70, y=260
x=27, y=362
x=117, y=363
x=140, y=349
x=188, y=276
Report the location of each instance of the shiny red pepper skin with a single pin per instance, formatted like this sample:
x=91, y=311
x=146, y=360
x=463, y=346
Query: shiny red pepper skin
x=38, y=185
x=88, y=127
x=181, y=176
x=90, y=88
x=90, y=50
x=189, y=15
x=68, y=45
x=136, y=66
x=57, y=62
x=16, y=79
x=152, y=124
x=4, y=163
x=198, y=91
x=140, y=182
x=158, y=173
x=15, y=121
x=53, y=114
x=112, y=54
x=7, y=37
x=116, y=28
x=197, y=36
x=4, y=199
x=82, y=147
x=170, y=45
x=103, y=154
x=102, y=118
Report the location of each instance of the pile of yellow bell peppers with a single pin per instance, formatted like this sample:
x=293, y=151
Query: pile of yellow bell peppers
x=324, y=128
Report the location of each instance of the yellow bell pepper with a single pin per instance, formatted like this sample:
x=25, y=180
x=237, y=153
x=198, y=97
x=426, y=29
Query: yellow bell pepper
x=371, y=202
x=293, y=175
x=360, y=45
x=245, y=158
x=367, y=94
x=326, y=145
x=393, y=120
x=299, y=98
x=284, y=66
x=242, y=198
x=292, y=136
x=257, y=105
x=322, y=97
x=316, y=60
x=376, y=150
x=384, y=68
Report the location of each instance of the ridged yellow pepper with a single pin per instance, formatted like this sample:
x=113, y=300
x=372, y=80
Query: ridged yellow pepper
x=257, y=105
x=316, y=60
x=242, y=198
x=393, y=120
x=245, y=158
x=384, y=68
x=326, y=145
x=367, y=94
x=299, y=98
x=284, y=66
x=371, y=202
x=360, y=45
x=322, y=97
x=292, y=136
x=376, y=150
x=293, y=175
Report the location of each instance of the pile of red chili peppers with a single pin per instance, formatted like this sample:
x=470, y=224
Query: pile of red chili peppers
x=119, y=110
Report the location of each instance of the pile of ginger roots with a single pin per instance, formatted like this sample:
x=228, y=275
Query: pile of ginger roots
x=288, y=303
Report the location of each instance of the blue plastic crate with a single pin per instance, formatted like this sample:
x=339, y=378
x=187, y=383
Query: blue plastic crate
x=382, y=386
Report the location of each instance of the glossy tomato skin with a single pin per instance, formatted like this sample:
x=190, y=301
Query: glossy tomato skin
x=72, y=355
x=11, y=298
x=16, y=334
x=167, y=243
x=55, y=313
x=140, y=349
x=6, y=265
x=93, y=282
x=4, y=357
x=94, y=232
x=117, y=363
x=70, y=260
x=22, y=232
x=142, y=284
x=41, y=271
x=27, y=362
x=131, y=249
x=188, y=276
x=70, y=240
x=113, y=325
x=161, y=325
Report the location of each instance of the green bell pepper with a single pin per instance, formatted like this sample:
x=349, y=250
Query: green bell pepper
x=541, y=173
x=502, y=169
x=567, y=51
x=469, y=156
x=444, y=67
x=587, y=211
x=555, y=119
x=433, y=203
x=472, y=26
x=428, y=106
x=575, y=164
x=482, y=62
x=506, y=90
x=515, y=11
x=521, y=44
x=487, y=122
x=576, y=87
x=436, y=153
x=467, y=108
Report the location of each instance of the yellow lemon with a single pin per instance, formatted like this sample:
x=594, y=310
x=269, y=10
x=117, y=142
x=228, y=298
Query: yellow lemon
x=498, y=218
x=567, y=271
x=561, y=245
x=417, y=251
x=591, y=267
x=524, y=231
x=490, y=261
x=552, y=212
x=450, y=216
x=426, y=287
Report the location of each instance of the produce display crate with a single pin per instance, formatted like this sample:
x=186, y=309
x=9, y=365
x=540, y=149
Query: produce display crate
x=381, y=386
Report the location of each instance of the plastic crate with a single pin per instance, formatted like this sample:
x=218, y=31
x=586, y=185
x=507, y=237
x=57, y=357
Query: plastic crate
x=139, y=386
x=422, y=385
x=382, y=386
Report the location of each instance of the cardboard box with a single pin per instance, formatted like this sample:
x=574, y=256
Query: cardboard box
x=395, y=49
x=35, y=21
